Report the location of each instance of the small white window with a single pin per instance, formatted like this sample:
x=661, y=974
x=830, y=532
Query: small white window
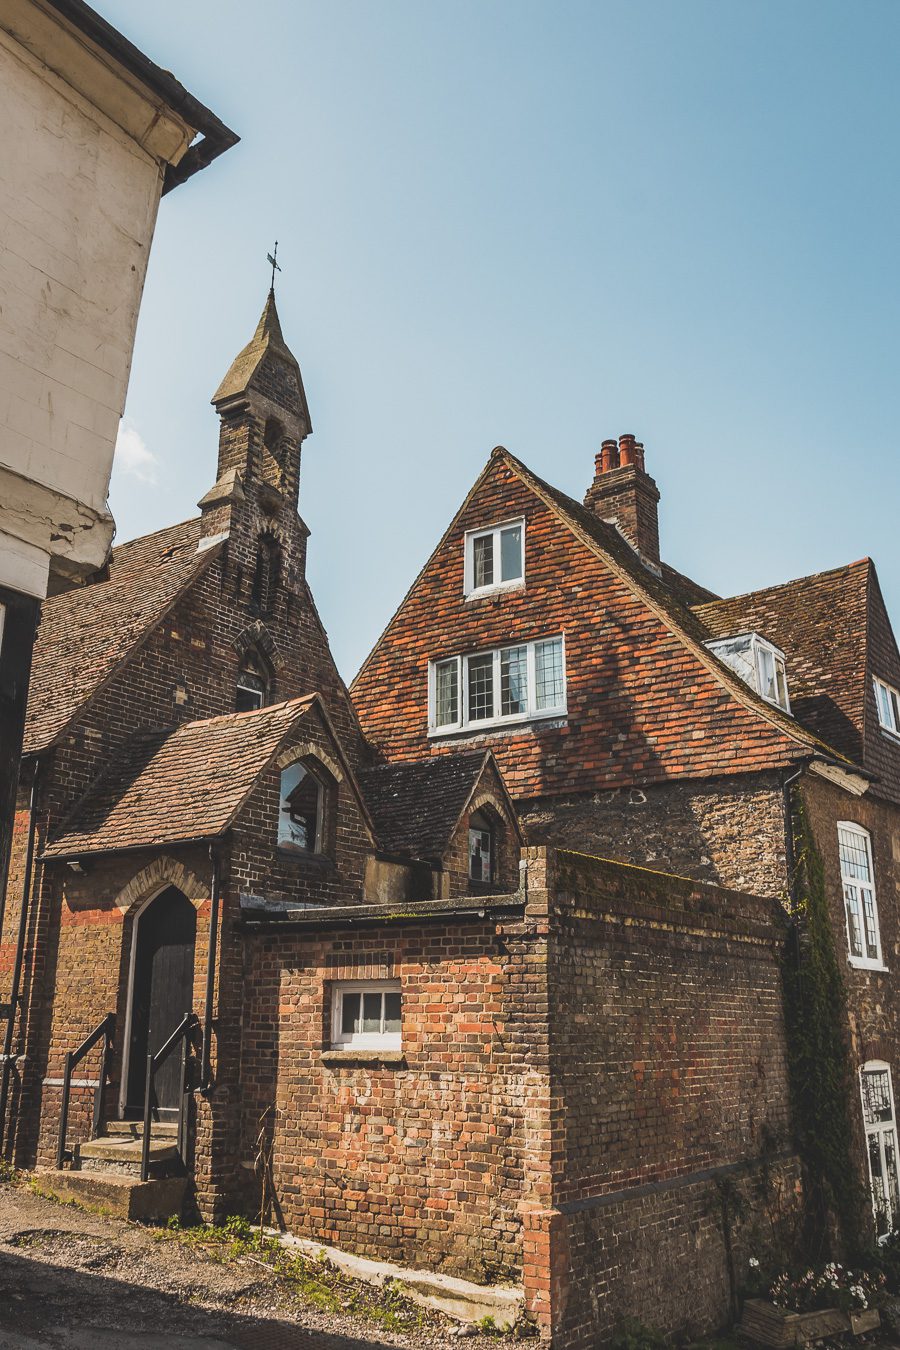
x=301, y=810
x=366, y=1015
x=495, y=558
x=508, y=684
x=863, y=937
x=881, y=1143
x=888, y=701
x=759, y=664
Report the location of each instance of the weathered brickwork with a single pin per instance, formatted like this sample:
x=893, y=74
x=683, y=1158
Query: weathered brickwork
x=668, y=1062
x=420, y=1160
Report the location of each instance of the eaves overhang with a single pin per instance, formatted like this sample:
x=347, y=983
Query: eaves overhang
x=74, y=41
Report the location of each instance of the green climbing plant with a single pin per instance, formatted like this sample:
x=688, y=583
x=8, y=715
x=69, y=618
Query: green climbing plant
x=821, y=1072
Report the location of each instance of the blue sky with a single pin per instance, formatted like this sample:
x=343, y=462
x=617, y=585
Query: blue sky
x=538, y=225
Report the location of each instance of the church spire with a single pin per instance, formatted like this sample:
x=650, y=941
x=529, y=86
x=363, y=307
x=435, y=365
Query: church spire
x=264, y=421
x=268, y=340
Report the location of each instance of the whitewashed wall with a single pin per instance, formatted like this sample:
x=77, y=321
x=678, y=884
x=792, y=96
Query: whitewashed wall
x=78, y=204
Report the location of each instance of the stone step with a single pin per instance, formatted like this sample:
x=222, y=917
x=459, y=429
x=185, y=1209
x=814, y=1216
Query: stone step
x=123, y=1155
x=163, y=1129
x=153, y=1201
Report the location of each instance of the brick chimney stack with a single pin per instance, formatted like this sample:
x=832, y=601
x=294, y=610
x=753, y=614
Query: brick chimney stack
x=624, y=494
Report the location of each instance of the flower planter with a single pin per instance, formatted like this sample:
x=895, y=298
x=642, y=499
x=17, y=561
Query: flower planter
x=767, y=1325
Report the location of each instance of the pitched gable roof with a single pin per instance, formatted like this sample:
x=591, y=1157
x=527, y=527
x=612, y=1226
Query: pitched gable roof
x=172, y=786
x=819, y=622
x=86, y=633
x=678, y=617
x=416, y=806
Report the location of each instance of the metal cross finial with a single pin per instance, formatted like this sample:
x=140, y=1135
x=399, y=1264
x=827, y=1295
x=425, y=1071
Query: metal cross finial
x=271, y=257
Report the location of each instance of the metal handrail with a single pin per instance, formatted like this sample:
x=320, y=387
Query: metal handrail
x=181, y=1033
x=104, y=1030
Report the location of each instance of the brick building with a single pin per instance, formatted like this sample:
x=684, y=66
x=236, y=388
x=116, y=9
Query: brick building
x=402, y=981
x=637, y=716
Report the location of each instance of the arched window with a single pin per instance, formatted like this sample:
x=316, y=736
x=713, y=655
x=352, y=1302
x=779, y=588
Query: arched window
x=301, y=814
x=482, y=847
x=253, y=685
x=265, y=575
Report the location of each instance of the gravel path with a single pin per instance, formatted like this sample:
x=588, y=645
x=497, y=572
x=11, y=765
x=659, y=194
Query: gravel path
x=75, y=1281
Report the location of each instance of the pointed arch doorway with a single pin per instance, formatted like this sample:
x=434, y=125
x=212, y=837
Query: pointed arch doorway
x=160, y=993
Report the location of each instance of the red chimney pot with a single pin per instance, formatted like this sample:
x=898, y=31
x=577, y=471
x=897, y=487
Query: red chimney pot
x=626, y=450
x=608, y=457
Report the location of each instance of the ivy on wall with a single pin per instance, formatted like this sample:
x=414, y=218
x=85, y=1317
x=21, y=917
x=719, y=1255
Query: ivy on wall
x=821, y=1072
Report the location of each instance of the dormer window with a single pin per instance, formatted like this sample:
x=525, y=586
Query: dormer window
x=759, y=664
x=888, y=701
x=495, y=558
x=481, y=848
x=301, y=810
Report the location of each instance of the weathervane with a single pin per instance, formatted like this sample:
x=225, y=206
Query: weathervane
x=271, y=257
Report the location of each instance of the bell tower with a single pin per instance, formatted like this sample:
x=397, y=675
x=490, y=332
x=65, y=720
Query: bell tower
x=264, y=421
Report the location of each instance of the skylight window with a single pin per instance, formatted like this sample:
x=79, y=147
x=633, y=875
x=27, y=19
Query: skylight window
x=759, y=664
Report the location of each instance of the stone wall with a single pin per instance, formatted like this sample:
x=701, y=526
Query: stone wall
x=729, y=831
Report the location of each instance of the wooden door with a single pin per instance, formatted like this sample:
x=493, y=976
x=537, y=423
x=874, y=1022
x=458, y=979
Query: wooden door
x=161, y=994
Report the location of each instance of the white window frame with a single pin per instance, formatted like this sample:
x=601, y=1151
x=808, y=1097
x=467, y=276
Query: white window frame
x=469, y=587
x=892, y=727
x=532, y=712
x=758, y=645
x=861, y=962
x=383, y=1040
x=880, y=1129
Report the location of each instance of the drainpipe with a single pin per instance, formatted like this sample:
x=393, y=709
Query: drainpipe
x=212, y=950
x=790, y=857
x=20, y=953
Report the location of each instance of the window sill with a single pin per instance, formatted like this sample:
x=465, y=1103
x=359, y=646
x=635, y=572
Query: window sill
x=346, y=1055
x=876, y=966
x=320, y=861
x=497, y=723
x=501, y=588
x=890, y=733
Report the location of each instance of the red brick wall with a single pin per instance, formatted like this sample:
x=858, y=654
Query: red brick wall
x=426, y=1162
x=668, y=1064
x=641, y=707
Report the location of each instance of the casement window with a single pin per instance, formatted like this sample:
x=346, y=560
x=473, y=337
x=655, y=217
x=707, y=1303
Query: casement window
x=301, y=810
x=481, y=848
x=888, y=701
x=508, y=684
x=365, y=1015
x=861, y=908
x=495, y=558
x=881, y=1143
x=759, y=664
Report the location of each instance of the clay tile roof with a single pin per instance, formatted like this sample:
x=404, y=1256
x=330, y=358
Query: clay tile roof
x=819, y=622
x=85, y=633
x=415, y=806
x=682, y=619
x=171, y=786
